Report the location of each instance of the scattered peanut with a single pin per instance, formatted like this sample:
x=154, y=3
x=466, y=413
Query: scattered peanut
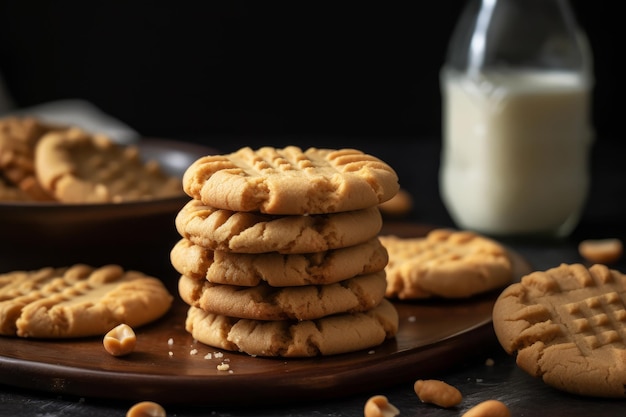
x=146, y=409
x=601, y=251
x=379, y=406
x=120, y=340
x=437, y=392
x=489, y=408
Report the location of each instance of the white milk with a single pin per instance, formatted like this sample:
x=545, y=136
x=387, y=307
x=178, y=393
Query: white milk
x=515, y=152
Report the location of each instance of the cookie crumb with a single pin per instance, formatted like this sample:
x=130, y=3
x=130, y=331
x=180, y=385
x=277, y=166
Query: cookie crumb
x=223, y=367
x=170, y=353
x=193, y=352
x=208, y=356
x=170, y=341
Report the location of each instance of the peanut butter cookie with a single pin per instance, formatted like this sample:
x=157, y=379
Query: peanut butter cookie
x=254, y=232
x=78, y=301
x=446, y=264
x=339, y=333
x=18, y=139
x=263, y=302
x=77, y=167
x=291, y=181
x=567, y=326
x=278, y=270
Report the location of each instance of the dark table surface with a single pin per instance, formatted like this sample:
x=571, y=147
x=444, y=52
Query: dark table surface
x=416, y=161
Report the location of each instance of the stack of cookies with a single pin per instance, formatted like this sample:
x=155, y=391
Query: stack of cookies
x=280, y=253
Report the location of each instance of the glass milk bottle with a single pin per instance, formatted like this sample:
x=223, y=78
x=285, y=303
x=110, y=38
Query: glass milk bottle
x=516, y=93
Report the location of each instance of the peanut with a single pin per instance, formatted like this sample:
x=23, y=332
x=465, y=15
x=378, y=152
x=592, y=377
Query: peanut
x=437, y=392
x=120, y=340
x=489, y=408
x=379, y=406
x=146, y=409
x=601, y=251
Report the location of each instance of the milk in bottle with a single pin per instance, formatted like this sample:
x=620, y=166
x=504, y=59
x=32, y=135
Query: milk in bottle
x=516, y=130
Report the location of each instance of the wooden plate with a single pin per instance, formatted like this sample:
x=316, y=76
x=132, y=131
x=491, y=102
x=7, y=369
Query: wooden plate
x=169, y=367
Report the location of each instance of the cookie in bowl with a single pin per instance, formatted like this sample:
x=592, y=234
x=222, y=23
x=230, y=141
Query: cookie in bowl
x=18, y=138
x=97, y=202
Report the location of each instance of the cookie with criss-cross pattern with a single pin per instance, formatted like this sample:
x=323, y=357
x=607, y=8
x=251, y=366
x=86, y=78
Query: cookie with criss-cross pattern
x=18, y=139
x=331, y=335
x=78, y=301
x=276, y=269
x=10, y=192
x=446, y=264
x=77, y=167
x=291, y=180
x=306, y=302
x=254, y=232
x=567, y=326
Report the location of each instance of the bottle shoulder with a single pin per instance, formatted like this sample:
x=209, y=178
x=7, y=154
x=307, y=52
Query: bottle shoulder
x=540, y=34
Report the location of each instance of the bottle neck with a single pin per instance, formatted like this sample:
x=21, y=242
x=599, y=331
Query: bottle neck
x=518, y=34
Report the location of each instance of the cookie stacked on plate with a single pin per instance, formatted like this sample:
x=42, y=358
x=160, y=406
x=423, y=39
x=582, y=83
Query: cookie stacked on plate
x=280, y=253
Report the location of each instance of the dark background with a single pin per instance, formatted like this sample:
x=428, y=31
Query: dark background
x=196, y=70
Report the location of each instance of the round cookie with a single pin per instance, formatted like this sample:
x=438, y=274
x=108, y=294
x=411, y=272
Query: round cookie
x=340, y=333
x=278, y=270
x=18, y=138
x=567, y=326
x=245, y=232
x=291, y=181
x=263, y=302
x=77, y=167
x=10, y=192
x=78, y=301
x=445, y=264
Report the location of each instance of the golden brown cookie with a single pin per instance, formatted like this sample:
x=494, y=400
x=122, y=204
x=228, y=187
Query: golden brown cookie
x=567, y=326
x=278, y=270
x=445, y=263
x=77, y=167
x=10, y=192
x=291, y=181
x=245, y=232
x=78, y=301
x=340, y=333
x=18, y=138
x=263, y=302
